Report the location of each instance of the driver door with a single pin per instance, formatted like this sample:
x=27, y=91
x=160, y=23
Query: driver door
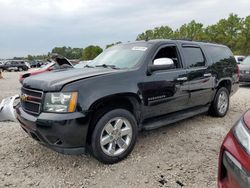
x=165, y=90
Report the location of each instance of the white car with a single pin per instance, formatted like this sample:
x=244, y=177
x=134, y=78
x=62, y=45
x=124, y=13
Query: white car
x=239, y=58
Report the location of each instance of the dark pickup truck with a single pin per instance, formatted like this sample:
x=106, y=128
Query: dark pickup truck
x=129, y=87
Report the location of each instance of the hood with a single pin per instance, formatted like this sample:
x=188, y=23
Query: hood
x=61, y=61
x=244, y=66
x=55, y=80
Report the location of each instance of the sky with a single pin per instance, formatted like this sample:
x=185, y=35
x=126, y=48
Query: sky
x=36, y=26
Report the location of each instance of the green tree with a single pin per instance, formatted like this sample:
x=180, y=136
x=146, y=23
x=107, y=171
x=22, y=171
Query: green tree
x=91, y=52
x=30, y=58
x=163, y=32
x=191, y=31
x=226, y=31
x=244, y=38
x=233, y=32
x=68, y=52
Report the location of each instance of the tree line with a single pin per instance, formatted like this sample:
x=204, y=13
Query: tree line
x=233, y=31
x=88, y=53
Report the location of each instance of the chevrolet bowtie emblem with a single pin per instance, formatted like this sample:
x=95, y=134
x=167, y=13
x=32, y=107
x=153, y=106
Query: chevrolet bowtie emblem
x=24, y=97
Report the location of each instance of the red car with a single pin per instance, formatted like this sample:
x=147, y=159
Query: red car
x=234, y=161
x=57, y=62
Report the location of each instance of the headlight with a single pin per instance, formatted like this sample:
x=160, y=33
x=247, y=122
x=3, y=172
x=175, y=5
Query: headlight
x=60, y=102
x=243, y=136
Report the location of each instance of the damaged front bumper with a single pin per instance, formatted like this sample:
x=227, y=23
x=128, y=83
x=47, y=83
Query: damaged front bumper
x=63, y=132
x=7, y=108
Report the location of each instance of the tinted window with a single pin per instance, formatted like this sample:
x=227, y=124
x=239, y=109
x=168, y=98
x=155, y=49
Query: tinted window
x=219, y=53
x=193, y=57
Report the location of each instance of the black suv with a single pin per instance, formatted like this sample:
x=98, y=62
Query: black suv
x=15, y=65
x=130, y=87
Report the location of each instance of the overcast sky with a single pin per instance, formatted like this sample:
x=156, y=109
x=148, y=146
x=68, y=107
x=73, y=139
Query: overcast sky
x=36, y=26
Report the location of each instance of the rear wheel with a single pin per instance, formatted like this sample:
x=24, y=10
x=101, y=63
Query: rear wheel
x=220, y=105
x=114, y=136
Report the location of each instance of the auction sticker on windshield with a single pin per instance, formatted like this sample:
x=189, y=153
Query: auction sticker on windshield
x=139, y=48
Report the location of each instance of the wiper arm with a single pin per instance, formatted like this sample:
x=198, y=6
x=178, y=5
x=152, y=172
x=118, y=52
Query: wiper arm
x=108, y=66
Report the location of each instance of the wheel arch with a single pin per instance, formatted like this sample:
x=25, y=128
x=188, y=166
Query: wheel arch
x=128, y=101
x=227, y=83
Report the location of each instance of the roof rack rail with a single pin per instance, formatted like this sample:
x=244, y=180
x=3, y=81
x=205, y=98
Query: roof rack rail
x=197, y=41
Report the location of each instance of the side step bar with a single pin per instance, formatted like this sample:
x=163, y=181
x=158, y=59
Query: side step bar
x=172, y=118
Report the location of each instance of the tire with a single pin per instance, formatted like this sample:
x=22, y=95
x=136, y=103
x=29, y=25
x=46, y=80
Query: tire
x=20, y=69
x=220, y=104
x=116, y=145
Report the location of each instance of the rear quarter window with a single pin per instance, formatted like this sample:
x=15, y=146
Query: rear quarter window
x=220, y=54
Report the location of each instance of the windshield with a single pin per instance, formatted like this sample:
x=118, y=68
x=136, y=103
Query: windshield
x=246, y=61
x=121, y=56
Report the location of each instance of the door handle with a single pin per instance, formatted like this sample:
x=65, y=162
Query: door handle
x=207, y=75
x=182, y=79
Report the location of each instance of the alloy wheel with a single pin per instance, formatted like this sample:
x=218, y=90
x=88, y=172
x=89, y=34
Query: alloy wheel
x=116, y=136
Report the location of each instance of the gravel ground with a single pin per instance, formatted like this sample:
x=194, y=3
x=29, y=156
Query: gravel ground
x=184, y=154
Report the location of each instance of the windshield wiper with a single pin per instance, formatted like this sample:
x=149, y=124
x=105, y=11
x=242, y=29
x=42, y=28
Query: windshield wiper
x=108, y=66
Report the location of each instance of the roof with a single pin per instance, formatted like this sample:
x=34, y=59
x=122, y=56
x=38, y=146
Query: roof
x=182, y=41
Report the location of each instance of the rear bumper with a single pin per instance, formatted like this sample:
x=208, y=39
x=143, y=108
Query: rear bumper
x=234, y=164
x=64, y=133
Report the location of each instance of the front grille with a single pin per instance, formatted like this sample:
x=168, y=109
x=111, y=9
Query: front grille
x=31, y=100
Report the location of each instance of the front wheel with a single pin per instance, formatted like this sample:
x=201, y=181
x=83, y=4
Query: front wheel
x=114, y=136
x=220, y=105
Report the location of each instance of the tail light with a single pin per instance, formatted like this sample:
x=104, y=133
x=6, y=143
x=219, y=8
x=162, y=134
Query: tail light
x=238, y=71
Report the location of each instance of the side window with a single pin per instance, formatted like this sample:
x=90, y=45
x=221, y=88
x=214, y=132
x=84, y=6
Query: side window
x=171, y=53
x=193, y=57
x=219, y=54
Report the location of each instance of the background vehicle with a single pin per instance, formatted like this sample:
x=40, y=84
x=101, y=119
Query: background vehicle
x=1, y=66
x=245, y=71
x=128, y=87
x=16, y=65
x=37, y=63
x=57, y=62
x=234, y=161
x=239, y=58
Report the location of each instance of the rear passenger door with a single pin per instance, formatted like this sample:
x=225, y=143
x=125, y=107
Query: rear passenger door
x=200, y=80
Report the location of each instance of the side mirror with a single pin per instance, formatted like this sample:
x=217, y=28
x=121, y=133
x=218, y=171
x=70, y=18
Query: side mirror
x=161, y=64
x=163, y=61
